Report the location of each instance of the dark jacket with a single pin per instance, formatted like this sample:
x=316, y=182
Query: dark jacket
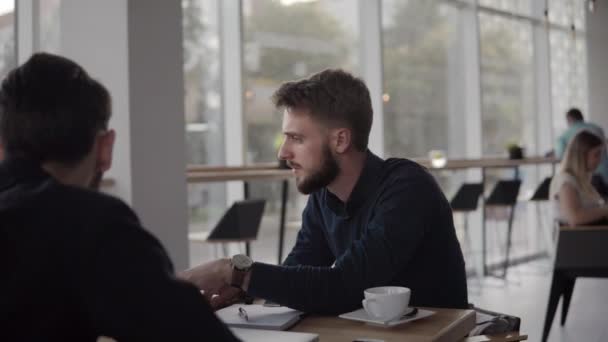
x=395, y=229
x=77, y=264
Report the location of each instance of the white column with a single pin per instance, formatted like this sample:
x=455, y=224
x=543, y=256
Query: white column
x=135, y=49
x=473, y=115
x=25, y=14
x=232, y=76
x=597, y=55
x=156, y=98
x=542, y=68
x=544, y=125
x=370, y=58
x=102, y=49
x=472, y=80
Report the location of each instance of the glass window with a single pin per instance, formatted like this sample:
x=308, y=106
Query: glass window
x=204, y=117
x=507, y=84
x=423, y=72
x=568, y=75
x=8, y=58
x=522, y=7
x=567, y=13
x=285, y=40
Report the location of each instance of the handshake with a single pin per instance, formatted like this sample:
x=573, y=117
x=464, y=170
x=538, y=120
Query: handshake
x=223, y=282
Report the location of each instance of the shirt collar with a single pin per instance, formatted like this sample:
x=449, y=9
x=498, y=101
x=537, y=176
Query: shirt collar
x=367, y=182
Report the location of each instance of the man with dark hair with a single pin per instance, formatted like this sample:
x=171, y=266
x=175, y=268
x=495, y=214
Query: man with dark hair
x=76, y=263
x=368, y=222
x=576, y=123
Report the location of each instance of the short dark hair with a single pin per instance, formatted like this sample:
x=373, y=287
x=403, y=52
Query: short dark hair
x=51, y=110
x=332, y=96
x=574, y=114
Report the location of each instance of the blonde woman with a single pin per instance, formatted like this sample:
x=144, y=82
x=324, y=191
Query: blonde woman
x=576, y=202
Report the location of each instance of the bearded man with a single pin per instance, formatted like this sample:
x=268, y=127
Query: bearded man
x=368, y=221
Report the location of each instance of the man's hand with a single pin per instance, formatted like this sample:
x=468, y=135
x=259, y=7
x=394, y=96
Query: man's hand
x=210, y=277
x=226, y=297
x=213, y=279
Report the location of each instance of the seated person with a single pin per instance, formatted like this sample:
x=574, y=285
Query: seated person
x=576, y=201
x=368, y=221
x=77, y=264
x=576, y=123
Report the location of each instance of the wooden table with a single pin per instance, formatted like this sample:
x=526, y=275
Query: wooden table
x=445, y=325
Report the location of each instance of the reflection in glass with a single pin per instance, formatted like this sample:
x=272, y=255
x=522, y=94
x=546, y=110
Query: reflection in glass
x=507, y=84
x=203, y=111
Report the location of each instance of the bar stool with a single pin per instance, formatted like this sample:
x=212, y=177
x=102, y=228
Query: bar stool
x=505, y=194
x=541, y=194
x=465, y=201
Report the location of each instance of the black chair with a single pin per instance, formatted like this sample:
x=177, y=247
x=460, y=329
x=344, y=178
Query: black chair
x=505, y=194
x=240, y=223
x=581, y=252
x=542, y=192
x=465, y=201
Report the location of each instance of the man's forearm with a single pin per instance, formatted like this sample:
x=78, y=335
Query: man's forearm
x=306, y=288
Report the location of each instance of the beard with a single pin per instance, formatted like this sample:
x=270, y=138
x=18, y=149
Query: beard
x=322, y=177
x=96, y=181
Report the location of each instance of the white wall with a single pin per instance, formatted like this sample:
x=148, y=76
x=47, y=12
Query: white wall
x=597, y=52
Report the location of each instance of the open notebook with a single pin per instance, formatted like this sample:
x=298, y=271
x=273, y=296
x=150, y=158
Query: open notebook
x=259, y=317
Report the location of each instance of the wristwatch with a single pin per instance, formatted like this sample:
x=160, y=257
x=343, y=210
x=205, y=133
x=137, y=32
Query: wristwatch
x=240, y=266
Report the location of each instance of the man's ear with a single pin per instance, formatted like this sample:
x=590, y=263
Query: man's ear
x=342, y=139
x=105, y=150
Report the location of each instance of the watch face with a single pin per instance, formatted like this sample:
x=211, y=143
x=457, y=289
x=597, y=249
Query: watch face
x=241, y=261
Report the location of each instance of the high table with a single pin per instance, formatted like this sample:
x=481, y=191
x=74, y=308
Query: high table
x=271, y=171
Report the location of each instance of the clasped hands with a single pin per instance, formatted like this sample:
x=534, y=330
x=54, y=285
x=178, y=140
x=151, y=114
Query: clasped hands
x=213, y=279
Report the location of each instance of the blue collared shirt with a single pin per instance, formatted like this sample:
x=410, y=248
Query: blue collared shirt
x=395, y=229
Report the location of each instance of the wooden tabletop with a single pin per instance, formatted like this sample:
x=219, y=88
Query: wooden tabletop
x=238, y=175
x=453, y=164
x=445, y=325
x=270, y=171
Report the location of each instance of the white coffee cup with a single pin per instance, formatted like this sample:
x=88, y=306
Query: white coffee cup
x=386, y=303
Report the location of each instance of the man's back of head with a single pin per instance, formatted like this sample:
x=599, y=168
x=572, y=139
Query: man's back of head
x=574, y=115
x=51, y=110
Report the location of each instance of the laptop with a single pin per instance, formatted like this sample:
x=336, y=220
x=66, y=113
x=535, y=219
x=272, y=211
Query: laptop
x=240, y=222
x=257, y=335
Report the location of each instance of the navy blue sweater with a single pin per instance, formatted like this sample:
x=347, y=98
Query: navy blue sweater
x=395, y=229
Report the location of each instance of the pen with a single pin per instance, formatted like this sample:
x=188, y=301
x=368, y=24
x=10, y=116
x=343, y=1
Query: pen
x=243, y=314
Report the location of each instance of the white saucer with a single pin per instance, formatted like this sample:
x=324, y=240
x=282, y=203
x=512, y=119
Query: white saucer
x=362, y=316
